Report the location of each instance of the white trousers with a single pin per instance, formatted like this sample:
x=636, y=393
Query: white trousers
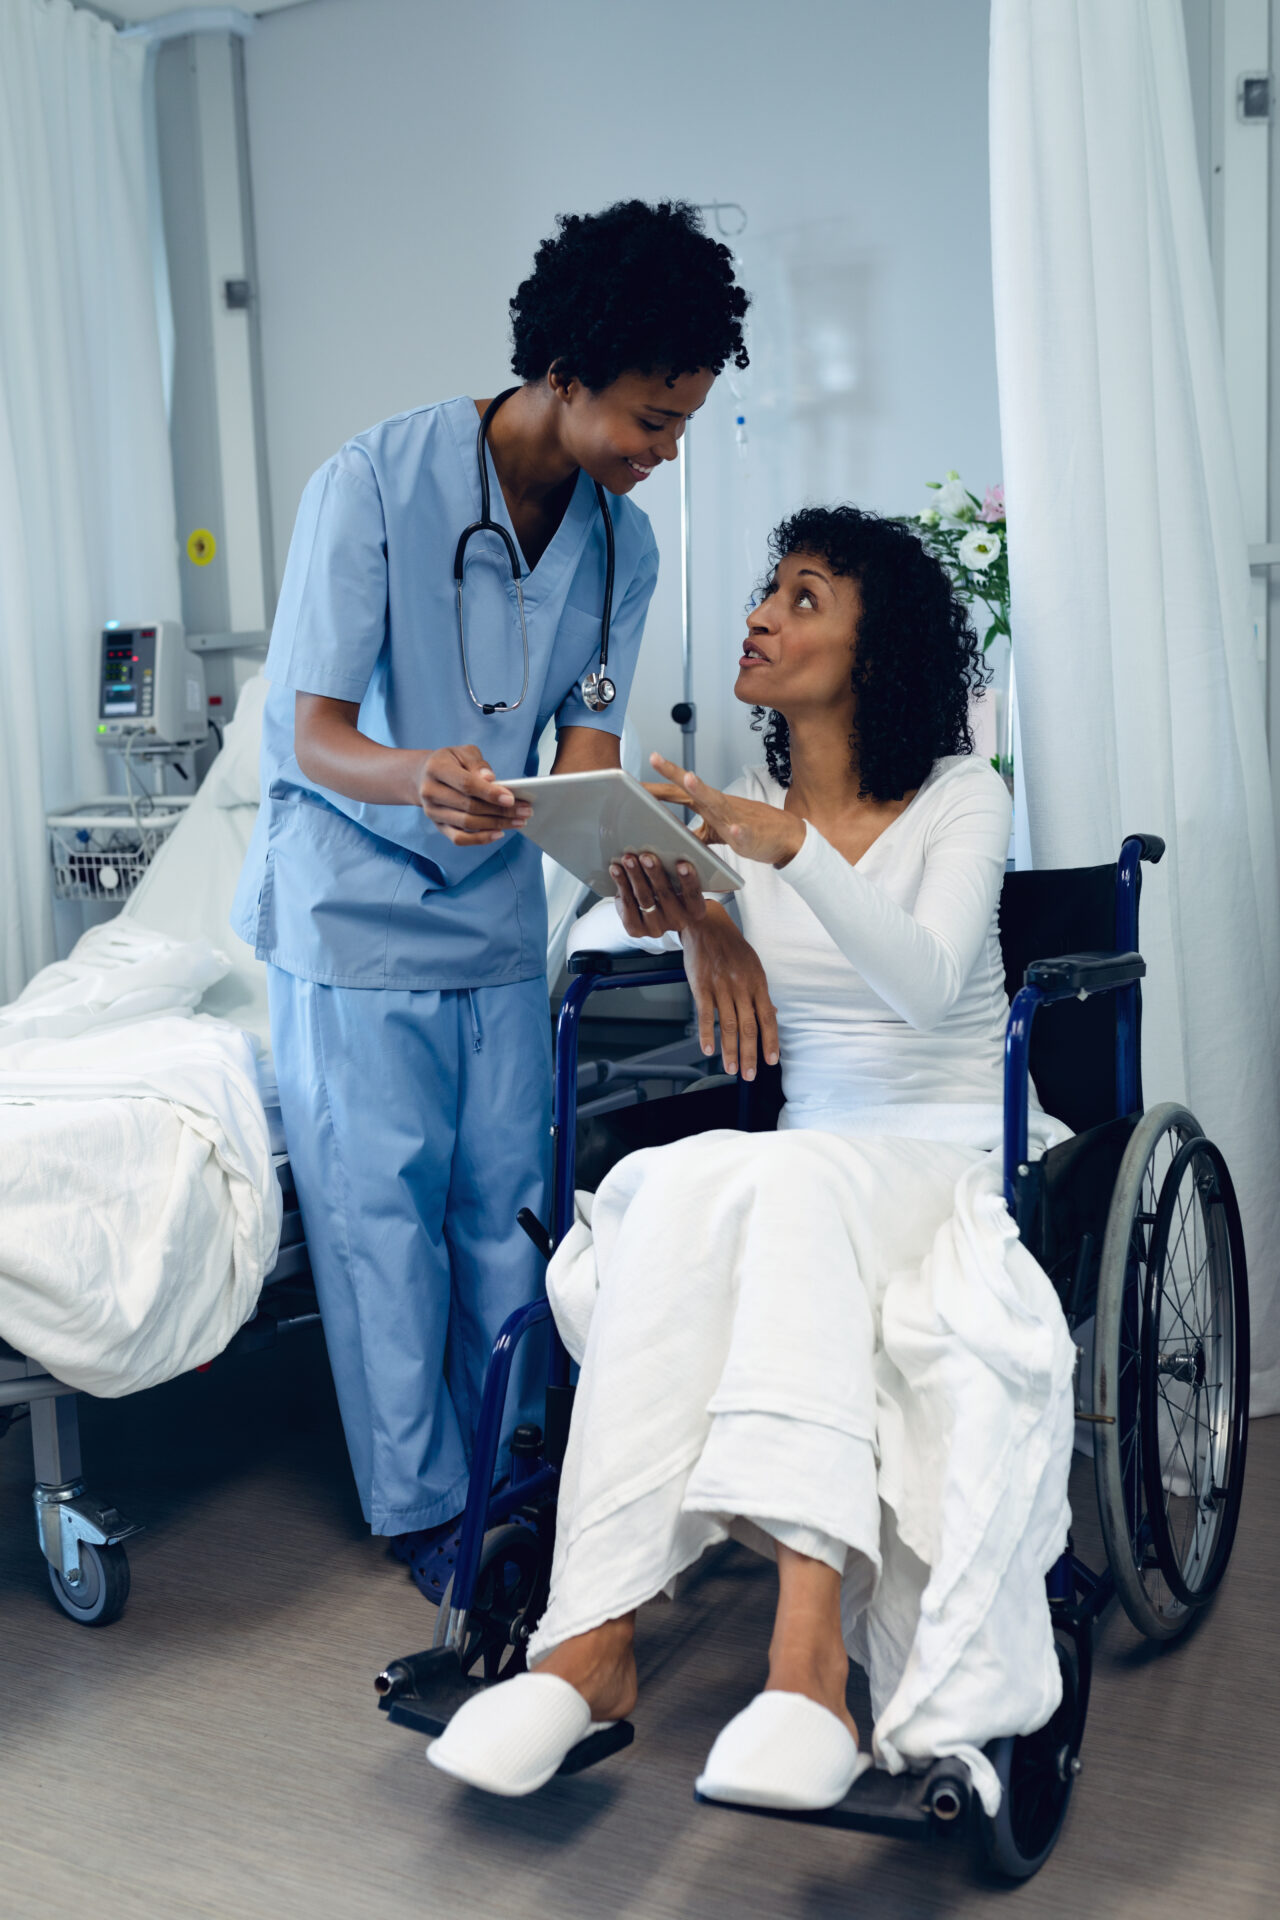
x=725, y=1304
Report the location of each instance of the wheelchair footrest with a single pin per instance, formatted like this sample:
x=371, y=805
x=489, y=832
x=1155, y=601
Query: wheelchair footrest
x=890, y=1803
x=425, y=1690
x=598, y=1746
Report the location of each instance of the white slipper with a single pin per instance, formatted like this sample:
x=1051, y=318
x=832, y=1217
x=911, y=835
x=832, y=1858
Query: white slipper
x=783, y=1751
x=511, y=1738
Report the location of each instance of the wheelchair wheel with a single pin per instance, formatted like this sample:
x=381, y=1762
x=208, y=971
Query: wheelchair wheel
x=1195, y=1373
x=1037, y=1772
x=1123, y=1276
x=511, y=1592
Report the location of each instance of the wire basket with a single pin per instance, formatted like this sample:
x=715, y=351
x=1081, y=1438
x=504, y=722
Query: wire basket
x=102, y=850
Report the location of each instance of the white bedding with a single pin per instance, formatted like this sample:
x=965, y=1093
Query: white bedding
x=139, y=1208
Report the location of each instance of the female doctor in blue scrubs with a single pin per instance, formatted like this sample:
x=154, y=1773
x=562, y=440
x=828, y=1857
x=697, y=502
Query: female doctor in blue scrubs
x=402, y=920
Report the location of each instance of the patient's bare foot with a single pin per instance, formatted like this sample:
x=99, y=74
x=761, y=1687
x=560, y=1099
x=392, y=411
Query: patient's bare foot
x=807, y=1653
x=601, y=1665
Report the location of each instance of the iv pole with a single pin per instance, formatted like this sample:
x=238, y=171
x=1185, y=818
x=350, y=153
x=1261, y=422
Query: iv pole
x=685, y=713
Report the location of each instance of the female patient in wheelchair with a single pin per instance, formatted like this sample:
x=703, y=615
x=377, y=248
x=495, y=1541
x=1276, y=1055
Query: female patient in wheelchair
x=761, y=1318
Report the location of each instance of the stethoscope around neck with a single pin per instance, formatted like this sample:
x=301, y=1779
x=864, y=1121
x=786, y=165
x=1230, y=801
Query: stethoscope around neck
x=598, y=690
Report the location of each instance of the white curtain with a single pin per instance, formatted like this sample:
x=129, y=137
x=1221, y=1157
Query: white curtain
x=1140, y=694
x=86, y=493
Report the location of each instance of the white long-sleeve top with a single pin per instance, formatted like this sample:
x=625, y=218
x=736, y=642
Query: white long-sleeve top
x=886, y=972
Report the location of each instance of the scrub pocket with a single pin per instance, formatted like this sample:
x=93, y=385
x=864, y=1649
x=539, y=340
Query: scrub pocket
x=327, y=894
x=487, y=930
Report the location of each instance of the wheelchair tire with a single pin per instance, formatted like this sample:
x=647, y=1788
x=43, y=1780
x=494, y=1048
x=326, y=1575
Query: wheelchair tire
x=1195, y=1373
x=1123, y=1276
x=511, y=1592
x=1037, y=1772
x=103, y=1589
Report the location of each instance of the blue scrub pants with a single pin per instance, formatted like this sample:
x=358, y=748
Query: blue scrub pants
x=418, y=1125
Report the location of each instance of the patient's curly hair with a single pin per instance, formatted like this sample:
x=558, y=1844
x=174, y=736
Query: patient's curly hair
x=917, y=656
x=636, y=288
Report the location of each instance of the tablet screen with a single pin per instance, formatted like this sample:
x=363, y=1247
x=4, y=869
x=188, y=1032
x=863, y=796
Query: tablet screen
x=588, y=820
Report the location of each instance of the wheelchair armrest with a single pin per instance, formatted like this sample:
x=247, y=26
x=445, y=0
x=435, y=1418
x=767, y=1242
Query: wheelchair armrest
x=1082, y=974
x=625, y=963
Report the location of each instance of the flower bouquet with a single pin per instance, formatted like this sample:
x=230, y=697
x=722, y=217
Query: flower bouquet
x=968, y=536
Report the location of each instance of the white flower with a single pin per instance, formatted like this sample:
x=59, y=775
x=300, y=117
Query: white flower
x=930, y=517
x=978, y=549
x=953, y=500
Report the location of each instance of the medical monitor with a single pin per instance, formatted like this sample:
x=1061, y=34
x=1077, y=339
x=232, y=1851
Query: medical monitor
x=150, y=686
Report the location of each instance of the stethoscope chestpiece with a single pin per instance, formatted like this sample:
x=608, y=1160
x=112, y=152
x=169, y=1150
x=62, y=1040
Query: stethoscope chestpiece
x=598, y=692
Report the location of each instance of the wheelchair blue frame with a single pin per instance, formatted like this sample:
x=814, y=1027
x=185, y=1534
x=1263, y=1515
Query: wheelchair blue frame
x=481, y=1515
x=1071, y=1585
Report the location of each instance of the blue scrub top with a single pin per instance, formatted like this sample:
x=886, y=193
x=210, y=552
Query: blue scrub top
x=353, y=895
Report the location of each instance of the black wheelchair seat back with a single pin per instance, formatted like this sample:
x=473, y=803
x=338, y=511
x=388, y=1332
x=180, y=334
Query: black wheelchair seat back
x=1073, y=1066
x=1073, y=1043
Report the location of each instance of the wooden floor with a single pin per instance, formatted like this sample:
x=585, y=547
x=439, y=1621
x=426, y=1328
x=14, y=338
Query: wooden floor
x=217, y=1751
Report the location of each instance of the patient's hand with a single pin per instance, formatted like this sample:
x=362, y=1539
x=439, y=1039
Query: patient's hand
x=751, y=827
x=652, y=901
x=728, y=982
x=724, y=972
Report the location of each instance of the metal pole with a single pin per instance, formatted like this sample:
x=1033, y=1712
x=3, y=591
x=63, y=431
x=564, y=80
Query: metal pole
x=685, y=714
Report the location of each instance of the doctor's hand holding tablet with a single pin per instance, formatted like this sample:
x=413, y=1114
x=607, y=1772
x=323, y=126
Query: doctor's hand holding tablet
x=614, y=834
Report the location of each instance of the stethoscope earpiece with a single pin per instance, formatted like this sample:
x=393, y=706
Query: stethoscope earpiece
x=598, y=690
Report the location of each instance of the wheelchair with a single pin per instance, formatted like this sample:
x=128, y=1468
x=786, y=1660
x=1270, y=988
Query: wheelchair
x=1136, y=1222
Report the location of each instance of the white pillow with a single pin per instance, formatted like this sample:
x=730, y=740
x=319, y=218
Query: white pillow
x=232, y=780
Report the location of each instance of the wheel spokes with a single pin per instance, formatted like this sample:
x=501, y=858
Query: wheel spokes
x=1188, y=1371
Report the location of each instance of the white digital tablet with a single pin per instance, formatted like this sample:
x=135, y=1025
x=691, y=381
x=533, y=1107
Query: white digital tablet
x=586, y=820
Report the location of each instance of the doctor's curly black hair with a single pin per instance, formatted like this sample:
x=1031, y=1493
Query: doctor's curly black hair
x=636, y=288
x=917, y=657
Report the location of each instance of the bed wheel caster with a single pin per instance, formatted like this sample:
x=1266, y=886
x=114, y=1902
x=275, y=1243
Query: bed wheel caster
x=98, y=1594
x=82, y=1541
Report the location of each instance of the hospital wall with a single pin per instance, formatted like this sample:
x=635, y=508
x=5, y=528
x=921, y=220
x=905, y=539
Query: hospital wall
x=407, y=156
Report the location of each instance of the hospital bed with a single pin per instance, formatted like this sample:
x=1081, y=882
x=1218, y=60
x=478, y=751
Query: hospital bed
x=187, y=894
x=81, y=1535
x=1135, y=1221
